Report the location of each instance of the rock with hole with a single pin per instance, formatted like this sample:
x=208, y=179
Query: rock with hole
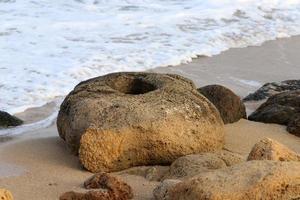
x=122, y=120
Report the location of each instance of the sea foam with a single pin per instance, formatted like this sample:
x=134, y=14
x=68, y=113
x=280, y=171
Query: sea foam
x=48, y=46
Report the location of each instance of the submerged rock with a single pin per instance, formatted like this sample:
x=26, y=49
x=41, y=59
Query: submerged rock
x=7, y=120
x=5, y=195
x=191, y=165
x=270, y=89
x=230, y=106
x=262, y=180
x=113, y=189
x=122, y=120
x=281, y=108
x=268, y=149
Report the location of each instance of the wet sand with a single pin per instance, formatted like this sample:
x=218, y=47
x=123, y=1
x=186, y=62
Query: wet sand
x=37, y=165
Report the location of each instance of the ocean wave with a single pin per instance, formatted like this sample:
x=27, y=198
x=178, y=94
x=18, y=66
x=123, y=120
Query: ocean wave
x=47, y=47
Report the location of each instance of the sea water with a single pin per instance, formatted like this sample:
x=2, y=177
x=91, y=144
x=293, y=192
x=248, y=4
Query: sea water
x=48, y=46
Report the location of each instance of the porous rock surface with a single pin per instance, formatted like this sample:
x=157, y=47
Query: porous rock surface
x=5, y=195
x=112, y=189
x=122, y=120
x=268, y=149
x=161, y=191
x=270, y=89
x=191, y=165
x=263, y=180
x=281, y=108
x=230, y=106
x=7, y=120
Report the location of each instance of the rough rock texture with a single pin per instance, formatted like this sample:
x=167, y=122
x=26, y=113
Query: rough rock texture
x=151, y=173
x=115, y=189
x=161, y=191
x=122, y=120
x=270, y=89
x=268, y=149
x=294, y=126
x=5, y=195
x=263, y=180
x=230, y=106
x=281, y=108
x=191, y=165
x=7, y=120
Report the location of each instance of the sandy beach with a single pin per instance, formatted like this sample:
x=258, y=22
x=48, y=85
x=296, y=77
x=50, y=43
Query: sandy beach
x=37, y=165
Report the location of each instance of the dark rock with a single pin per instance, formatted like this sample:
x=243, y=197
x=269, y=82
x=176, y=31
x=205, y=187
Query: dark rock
x=7, y=120
x=294, y=126
x=281, y=108
x=230, y=106
x=122, y=120
x=273, y=88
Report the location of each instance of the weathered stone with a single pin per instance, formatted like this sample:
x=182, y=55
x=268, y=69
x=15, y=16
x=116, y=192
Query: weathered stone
x=161, y=191
x=268, y=149
x=114, y=189
x=131, y=119
x=230, y=106
x=281, y=108
x=151, y=173
x=270, y=89
x=7, y=120
x=262, y=180
x=294, y=126
x=191, y=165
x=5, y=195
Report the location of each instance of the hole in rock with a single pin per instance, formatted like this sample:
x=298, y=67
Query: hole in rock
x=132, y=85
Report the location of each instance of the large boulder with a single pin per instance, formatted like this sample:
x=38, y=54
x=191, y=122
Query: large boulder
x=191, y=165
x=268, y=149
x=262, y=180
x=7, y=120
x=294, y=126
x=281, y=108
x=122, y=120
x=5, y=195
x=270, y=89
x=230, y=106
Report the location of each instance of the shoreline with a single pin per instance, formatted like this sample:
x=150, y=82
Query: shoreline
x=243, y=70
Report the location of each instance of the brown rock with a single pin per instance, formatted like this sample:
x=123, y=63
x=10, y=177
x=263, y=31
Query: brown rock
x=132, y=119
x=230, y=106
x=5, y=195
x=263, y=180
x=115, y=189
x=268, y=149
x=191, y=165
x=294, y=126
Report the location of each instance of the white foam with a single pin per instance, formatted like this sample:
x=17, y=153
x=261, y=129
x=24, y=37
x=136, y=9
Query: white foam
x=48, y=46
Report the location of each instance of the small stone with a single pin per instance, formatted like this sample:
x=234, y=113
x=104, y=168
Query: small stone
x=5, y=195
x=268, y=149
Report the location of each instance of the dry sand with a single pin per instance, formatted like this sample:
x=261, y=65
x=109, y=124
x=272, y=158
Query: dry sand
x=37, y=165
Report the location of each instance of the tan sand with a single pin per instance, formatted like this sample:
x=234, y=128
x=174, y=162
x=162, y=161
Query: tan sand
x=38, y=166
